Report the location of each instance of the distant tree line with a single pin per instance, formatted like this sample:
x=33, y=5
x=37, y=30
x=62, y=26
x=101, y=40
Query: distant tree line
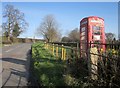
x=73, y=36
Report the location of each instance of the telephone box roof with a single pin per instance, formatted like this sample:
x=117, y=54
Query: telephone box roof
x=91, y=17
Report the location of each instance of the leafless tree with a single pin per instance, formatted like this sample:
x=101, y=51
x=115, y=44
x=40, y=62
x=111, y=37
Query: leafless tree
x=74, y=35
x=49, y=29
x=11, y=17
x=109, y=37
x=65, y=39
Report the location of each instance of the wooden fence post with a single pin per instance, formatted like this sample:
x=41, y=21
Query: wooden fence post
x=53, y=49
x=62, y=52
x=57, y=50
x=50, y=47
x=72, y=53
x=66, y=54
x=46, y=45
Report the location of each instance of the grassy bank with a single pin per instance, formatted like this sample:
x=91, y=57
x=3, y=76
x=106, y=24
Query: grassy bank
x=51, y=71
x=48, y=69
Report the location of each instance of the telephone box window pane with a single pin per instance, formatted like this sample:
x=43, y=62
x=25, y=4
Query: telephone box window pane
x=96, y=32
x=83, y=29
x=96, y=28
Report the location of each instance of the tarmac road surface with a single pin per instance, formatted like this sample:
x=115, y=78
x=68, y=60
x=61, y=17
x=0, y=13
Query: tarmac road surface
x=15, y=64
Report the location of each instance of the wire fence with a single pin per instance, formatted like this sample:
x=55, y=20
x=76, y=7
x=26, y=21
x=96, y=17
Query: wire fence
x=62, y=52
x=102, y=67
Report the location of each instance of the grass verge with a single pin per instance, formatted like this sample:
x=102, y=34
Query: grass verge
x=48, y=70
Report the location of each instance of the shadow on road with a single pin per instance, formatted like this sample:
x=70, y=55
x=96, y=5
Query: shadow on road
x=14, y=60
x=18, y=73
x=23, y=72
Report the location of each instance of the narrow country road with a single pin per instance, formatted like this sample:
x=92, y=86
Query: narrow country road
x=15, y=64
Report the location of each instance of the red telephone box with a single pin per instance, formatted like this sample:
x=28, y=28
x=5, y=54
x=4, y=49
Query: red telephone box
x=91, y=30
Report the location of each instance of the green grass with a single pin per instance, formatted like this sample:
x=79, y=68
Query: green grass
x=51, y=71
x=48, y=69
